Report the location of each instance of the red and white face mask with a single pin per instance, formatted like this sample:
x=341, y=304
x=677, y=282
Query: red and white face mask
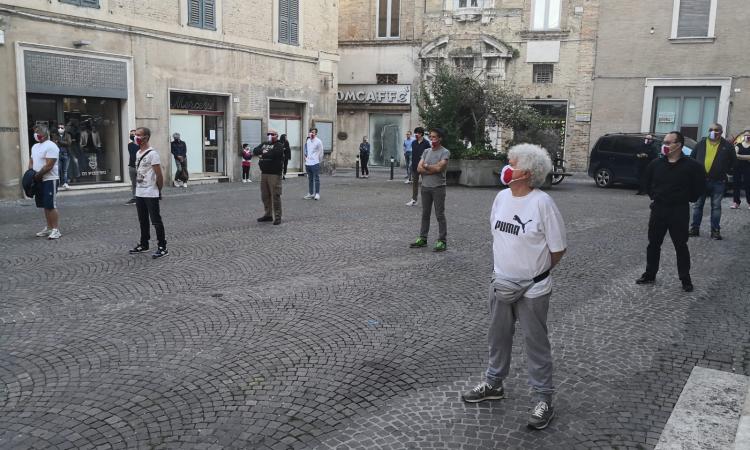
x=665, y=149
x=137, y=139
x=38, y=137
x=506, y=175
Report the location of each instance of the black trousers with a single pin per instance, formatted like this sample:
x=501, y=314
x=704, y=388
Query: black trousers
x=676, y=221
x=364, y=159
x=148, y=207
x=245, y=172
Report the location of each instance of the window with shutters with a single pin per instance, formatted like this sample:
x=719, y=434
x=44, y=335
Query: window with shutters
x=84, y=3
x=545, y=15
x=202, y=14
x=289, y=22
x=693, y=18
x=543, y=73
x=388, y=18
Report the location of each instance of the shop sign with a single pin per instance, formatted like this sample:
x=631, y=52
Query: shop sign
x=583, y=116
x=192, y=101
x=665, y=117
x=388, y=94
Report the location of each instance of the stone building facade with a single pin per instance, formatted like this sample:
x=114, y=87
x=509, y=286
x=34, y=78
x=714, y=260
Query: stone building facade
x=542, y=48
x=681, y=67
x=220, y=72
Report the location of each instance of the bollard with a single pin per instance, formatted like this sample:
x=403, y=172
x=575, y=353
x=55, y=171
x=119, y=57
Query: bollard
x=392, y=161
x=356, y=167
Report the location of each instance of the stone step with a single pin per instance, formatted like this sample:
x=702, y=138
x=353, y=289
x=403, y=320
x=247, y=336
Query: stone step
x=708, y=411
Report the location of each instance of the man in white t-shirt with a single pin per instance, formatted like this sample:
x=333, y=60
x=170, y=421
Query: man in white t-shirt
x=528, y=241
x=313, y=158
x=44, y=157
x=149, y=183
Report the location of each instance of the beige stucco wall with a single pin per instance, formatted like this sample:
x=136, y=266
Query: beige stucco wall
x=624, y=64
x=240, y=59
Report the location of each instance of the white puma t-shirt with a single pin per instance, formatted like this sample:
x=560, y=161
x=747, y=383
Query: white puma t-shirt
x=524, y=232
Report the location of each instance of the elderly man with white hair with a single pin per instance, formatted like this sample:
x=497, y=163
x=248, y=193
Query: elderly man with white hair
x=528, y=241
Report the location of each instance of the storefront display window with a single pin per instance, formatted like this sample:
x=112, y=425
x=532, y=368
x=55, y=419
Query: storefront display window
x=92, y=134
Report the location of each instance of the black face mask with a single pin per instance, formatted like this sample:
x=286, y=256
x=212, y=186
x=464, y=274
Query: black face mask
x=132, y=136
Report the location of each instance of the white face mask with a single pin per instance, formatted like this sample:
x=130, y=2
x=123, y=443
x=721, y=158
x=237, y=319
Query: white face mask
x=747, y=138
x=713, y=135
x=61, y=130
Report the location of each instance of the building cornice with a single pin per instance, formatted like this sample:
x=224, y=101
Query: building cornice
x=111, y=27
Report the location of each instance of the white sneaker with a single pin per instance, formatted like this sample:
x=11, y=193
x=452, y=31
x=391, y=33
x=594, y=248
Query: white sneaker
x=44, y=233
x=54, y=234
x=176, y=183
x=244, y=181
x=66, y=186
x=249, y=181
x=308, y=196
x=317, y=197
x=184, y=185
x=407, y=182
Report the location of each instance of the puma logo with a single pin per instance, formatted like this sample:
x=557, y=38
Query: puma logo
x=522, y=223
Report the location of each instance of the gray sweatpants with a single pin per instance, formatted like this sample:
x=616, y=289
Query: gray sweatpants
x=434, y=195
x=532, y=317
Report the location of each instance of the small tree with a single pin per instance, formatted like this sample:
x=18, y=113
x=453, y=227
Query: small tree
x=464, y=106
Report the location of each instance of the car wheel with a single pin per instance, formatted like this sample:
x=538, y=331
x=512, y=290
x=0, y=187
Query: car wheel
x=603, y=178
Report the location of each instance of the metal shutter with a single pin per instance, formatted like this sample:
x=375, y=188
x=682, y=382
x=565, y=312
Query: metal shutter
x=209, y=14
x=284, y=21
x=194, y=13
x=90, y=3
x=294, y=22
x=693, y=18
x=250, y=132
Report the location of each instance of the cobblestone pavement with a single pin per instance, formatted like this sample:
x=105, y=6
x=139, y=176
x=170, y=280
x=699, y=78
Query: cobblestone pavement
x=329, y=332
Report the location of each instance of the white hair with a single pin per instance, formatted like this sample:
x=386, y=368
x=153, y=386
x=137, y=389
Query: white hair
x=533, y=158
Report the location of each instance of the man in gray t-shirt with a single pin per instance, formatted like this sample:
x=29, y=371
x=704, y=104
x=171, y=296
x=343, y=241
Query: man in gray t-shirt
x=432, y=167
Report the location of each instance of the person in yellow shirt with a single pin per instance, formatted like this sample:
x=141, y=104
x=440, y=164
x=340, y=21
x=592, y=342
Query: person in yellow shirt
x=718, y=157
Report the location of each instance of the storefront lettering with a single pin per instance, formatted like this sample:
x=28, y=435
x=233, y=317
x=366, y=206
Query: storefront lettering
x=192, y=102
x=92, y=173
x=8, y=129
x=382, y=94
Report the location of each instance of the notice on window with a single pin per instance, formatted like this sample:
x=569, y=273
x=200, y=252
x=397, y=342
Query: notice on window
x=212, y=134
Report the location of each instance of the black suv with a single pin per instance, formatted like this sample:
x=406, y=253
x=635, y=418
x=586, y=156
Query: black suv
x=613, y=158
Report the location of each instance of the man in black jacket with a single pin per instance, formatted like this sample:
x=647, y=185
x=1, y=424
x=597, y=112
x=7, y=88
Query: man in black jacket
x=717, y=157
x=271, y=163
x=672, y=183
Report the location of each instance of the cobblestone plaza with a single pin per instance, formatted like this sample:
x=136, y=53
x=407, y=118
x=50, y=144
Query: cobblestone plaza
x=329, y=332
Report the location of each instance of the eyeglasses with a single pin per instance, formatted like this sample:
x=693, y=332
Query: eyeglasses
x=718, y=130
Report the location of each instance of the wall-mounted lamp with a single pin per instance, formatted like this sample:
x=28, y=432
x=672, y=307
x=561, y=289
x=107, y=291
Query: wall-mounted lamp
x=81, y=43
x=652, y=30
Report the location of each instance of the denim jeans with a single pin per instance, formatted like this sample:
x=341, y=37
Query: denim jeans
x=715, y=189
x=64, y=161
x=313, y=179
x=407, y=163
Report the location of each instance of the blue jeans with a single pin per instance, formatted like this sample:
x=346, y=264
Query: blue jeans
x=64, y=161
x=407, y=163
x=313, y=179
x=716, y=190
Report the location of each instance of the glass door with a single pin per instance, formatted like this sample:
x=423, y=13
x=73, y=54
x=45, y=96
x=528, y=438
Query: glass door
x=385, y=138
x=190, y=128
x=689, y=110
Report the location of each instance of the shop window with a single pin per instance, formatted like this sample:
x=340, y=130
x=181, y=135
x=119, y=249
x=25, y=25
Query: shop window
x=387, y=78
x=84, y=3
x=92, y=135
x=468, y=3
x=289, y=22
x=545, y=15
x=543, y=73
x=388, y=18
x=202, y=14
x=693, y=18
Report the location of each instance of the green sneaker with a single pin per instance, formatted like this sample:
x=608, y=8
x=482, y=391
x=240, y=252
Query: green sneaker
x=440, y=246
x=419, y=243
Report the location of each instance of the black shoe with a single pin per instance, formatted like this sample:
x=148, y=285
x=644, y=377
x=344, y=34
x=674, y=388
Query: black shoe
x=130, y=202
x=645, y=279
x=715, y=235
x=484, y=391
x=265, y=219
x=687, y=285
x=640, y=193
x=694, y=232
x=277, y=221
x=160, y=252
x=541, y=416
x=138, y=249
